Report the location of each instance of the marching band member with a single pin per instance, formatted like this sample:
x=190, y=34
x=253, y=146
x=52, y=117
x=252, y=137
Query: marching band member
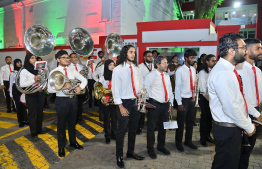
x=126, y=83
x=91, y=81
x=252, y=89
x=15, y=95
x=109, y=110
x=227, y=102
x=185, y=97
x=80, y=98
x=66, y=106
x=4, y=80
x=34, y=101
x=145, y=67
x=158, y=86
x=206, y=117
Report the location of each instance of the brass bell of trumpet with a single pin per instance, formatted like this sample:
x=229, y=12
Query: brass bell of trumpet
x=39, y=40
x=57, y=81
x=113, y=45
x=101, y=93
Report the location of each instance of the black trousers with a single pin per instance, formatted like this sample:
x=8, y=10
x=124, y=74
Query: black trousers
x=35, y=105
x=133, y=119
x=81, y=99
x=7, y=96
x=66, y=110
x=91, y=83
x=141, y=122
x=156, y=117
x=206, y=118
x=246, y=150
x=20, y=107
x=188, y=116
x=110, y=118
x=228, y=142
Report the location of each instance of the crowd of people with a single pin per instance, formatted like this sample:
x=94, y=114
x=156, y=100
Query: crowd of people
x=228, y=91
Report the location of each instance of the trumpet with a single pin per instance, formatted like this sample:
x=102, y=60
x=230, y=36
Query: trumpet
x=57, y=81
x=101, y=93
x=196, y=90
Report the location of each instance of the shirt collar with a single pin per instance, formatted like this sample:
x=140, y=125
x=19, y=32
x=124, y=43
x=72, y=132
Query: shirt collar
x=227, y=64
x=191, y=67
x=127, y=65
x=61, y=67
x=248, y=64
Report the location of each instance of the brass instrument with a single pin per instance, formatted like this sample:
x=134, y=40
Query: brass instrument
x=113, y=45
x=196, y=90
x=141, y=101
x=57, y=81
x=101, y=93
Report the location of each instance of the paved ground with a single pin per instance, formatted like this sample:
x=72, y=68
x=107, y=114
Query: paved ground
x=19, y=150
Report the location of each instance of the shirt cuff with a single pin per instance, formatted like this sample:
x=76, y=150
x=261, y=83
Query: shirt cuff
x=117, y=101
x=250, y=129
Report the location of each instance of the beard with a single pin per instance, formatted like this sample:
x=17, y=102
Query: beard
x=191, y=64
x=148, y=61
x=255, y=57
x=239, y=58
x=130, y=60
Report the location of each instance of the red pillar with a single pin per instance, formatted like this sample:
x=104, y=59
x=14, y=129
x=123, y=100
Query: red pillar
x=259, y=21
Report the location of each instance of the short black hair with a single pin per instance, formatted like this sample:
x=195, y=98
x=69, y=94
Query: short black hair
x=72, y=54
x=60, y=53
x=227, y=41
x=174, y=56
x=89, y=57
x=100, y=52
x=154, y=51
x=146, y=52
x=38, y=58
x=251, y=41
x=7, y=57
x=190, y=52
x=158, y=60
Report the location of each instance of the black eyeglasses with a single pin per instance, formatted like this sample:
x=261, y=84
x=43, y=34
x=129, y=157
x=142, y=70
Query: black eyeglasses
x=64, y=58
x=244, y=47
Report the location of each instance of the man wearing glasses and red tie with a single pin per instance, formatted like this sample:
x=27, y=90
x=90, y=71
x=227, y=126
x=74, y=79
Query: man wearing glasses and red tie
x=4, y=80
x=66, y=106
x=126, y=84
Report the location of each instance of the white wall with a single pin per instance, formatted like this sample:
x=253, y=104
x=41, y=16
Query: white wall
x=14, y=54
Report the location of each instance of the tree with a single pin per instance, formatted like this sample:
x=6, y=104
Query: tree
x=206, y=8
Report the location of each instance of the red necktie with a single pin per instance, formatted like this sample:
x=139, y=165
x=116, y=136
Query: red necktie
x=109, y=86
x=132, y=79
x=76, y=68
x=92, y=68
x=164, y=84
x=191, y=83
x=65, y=72
x=10, y=68
x=241, y=89
x=36, y=83
x=149, y=67
x=255, y=73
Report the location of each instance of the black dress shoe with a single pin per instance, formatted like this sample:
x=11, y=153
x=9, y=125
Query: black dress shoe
x=77, y=146
x=21, y=124
x=120, y=162
x=26, y=123
x=139, y=131
x=180, y=147
x=152, y=154
x=34, y=135
x=203, y=142
x=40, y=132
x=107, y=140
x=61, y=152
x=134, y=156
x=8, y=111
x=190, y=145
x=210, y=140
x=164, y=151
x=14, y=110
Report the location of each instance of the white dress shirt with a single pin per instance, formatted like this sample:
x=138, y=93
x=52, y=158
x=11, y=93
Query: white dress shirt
x=11, y=83
x=5, y=73
x=182, y=89
x=72, y=74
x=122, y=83
x=202, y=82
x=79, y=67
x=225, y=99
x=144, y=69
x=98, y=72
x=104, y=82
x=155, y=88
x=26, y=78
x=248, y=79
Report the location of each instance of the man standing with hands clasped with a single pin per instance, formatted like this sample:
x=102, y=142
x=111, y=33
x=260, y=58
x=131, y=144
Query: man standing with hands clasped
x=229, y=107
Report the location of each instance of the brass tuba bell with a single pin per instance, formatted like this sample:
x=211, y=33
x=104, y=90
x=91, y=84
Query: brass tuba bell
x=113, y=45
x=101, y=93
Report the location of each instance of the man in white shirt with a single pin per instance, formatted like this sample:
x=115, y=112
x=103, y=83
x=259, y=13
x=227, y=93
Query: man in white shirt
x=159, y=90
x=4, y=80
x=145, y=68
x=91, y=82
x=227, y=102
x=185, y=97
x=252, y=89
x=206, y=117
x=80, y=98
x=66, y=106
x=126, y=84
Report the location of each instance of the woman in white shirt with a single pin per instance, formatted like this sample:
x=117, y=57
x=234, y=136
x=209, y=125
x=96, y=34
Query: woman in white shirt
x=109, y=110
x=34, y=101
x=15, y=95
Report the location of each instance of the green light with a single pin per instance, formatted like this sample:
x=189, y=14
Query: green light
x=2, y=28
x=147, y=10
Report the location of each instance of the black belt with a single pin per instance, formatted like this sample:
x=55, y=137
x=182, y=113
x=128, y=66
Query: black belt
x=224, y=124
x=153, y=100
x=70, y=97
